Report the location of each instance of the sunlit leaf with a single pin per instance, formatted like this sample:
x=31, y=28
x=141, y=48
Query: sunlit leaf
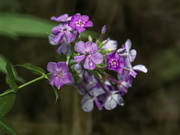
x=6, y=103
x=33, y=69
x=5, y=127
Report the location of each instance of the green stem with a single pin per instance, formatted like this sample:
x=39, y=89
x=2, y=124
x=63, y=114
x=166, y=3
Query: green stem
x=21, y=86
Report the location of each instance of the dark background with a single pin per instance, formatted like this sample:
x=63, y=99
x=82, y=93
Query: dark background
x=151, y=105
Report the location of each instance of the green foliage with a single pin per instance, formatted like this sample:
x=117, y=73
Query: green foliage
x=33, y=69
x=5, y=127
x=3, y=63
x=10, y=79
x=14, y=25
x=56, y=92
x=6, y=103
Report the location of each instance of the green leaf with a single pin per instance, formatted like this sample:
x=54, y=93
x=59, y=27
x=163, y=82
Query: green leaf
x=10, y=79
x=56, y=92
x=5, y=127
x=63, y=57
x=6, y=103
x=14, y=25
x=3, y=63
x=33, y=69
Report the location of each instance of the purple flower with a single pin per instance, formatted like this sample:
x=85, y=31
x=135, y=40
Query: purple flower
x=61, y=18
x=60, y=74
x=115, y=62
x=112, y=100
x=88, y=101
x=63, y=33
x=64, y=48
x=140, y=68
x=109, y=44
x=79, y=22
x=103, y=30
x=90, y=54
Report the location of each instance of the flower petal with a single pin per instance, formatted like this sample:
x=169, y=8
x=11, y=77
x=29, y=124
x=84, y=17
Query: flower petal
x=91, y=47
x=80, y=47
x=89, y=24
x=56, y=30
x=66, y=78
x=51, y=67
x=62, y=67
x=51, y=38
x=109, y=103
x=87, y=105
x=97, y=58
x=80, y=29
x=128, y=45
x=70, y=37
x=89, y=64
x=58, y=38
x=141, y=68
x=132, y=55
x=79, y=58
x=85, y=18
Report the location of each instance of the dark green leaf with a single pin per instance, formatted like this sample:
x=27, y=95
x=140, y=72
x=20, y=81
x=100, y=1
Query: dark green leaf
x=63, y=57
x=33, y=69
x=6, y=103
x=56, y=92
x=3, y=63
x=10, y=79
x=5, y=127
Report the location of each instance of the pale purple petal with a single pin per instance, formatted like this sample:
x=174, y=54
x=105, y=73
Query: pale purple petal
x=80, y=47
x=62, y=67
x=128, y=45
x=62, y=18
x=89, y=24
x=64, y=48
x=141, y=68
x=58, y=38
x=110, y=45
x=118, y=99
x=132, y=55
x=56, y=30
x=66, y=78
x=52, y=67
x=53, y=79
x=70, y=37
x=85, y=18
x=109, y=103
x=91, y=47
x=88, y=105
x=89, y=64
x=119, y=70
x=97, y=58
x=51, y=38
x=103, y=30
x=80, y=58
x=133, y=73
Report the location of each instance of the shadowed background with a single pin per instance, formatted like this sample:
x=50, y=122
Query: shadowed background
x=151, y=105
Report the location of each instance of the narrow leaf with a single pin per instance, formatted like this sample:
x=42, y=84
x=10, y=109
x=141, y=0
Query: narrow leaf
x=6, y=103
x=10, y=79
x=5, y=127
x=33, y=69
x=56, y=92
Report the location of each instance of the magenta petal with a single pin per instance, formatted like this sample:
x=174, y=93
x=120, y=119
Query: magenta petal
x=119, y=70
x=85, y=18
x=56, y=30
x=80, y=29
x=80, y=58
x=98, y=104
x=51, y=67
x=58, y=38
x=89, y=64
x=97, y=58
x=72, y=24
x=80, y=47
x=89, y=24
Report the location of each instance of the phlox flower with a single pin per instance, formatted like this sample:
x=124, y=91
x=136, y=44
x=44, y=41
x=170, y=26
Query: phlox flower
x=90, y=54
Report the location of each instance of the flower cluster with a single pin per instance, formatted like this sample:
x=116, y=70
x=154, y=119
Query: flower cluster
x=89, y=64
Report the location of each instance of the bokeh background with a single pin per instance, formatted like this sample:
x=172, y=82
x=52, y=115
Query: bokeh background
x=152, y=105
